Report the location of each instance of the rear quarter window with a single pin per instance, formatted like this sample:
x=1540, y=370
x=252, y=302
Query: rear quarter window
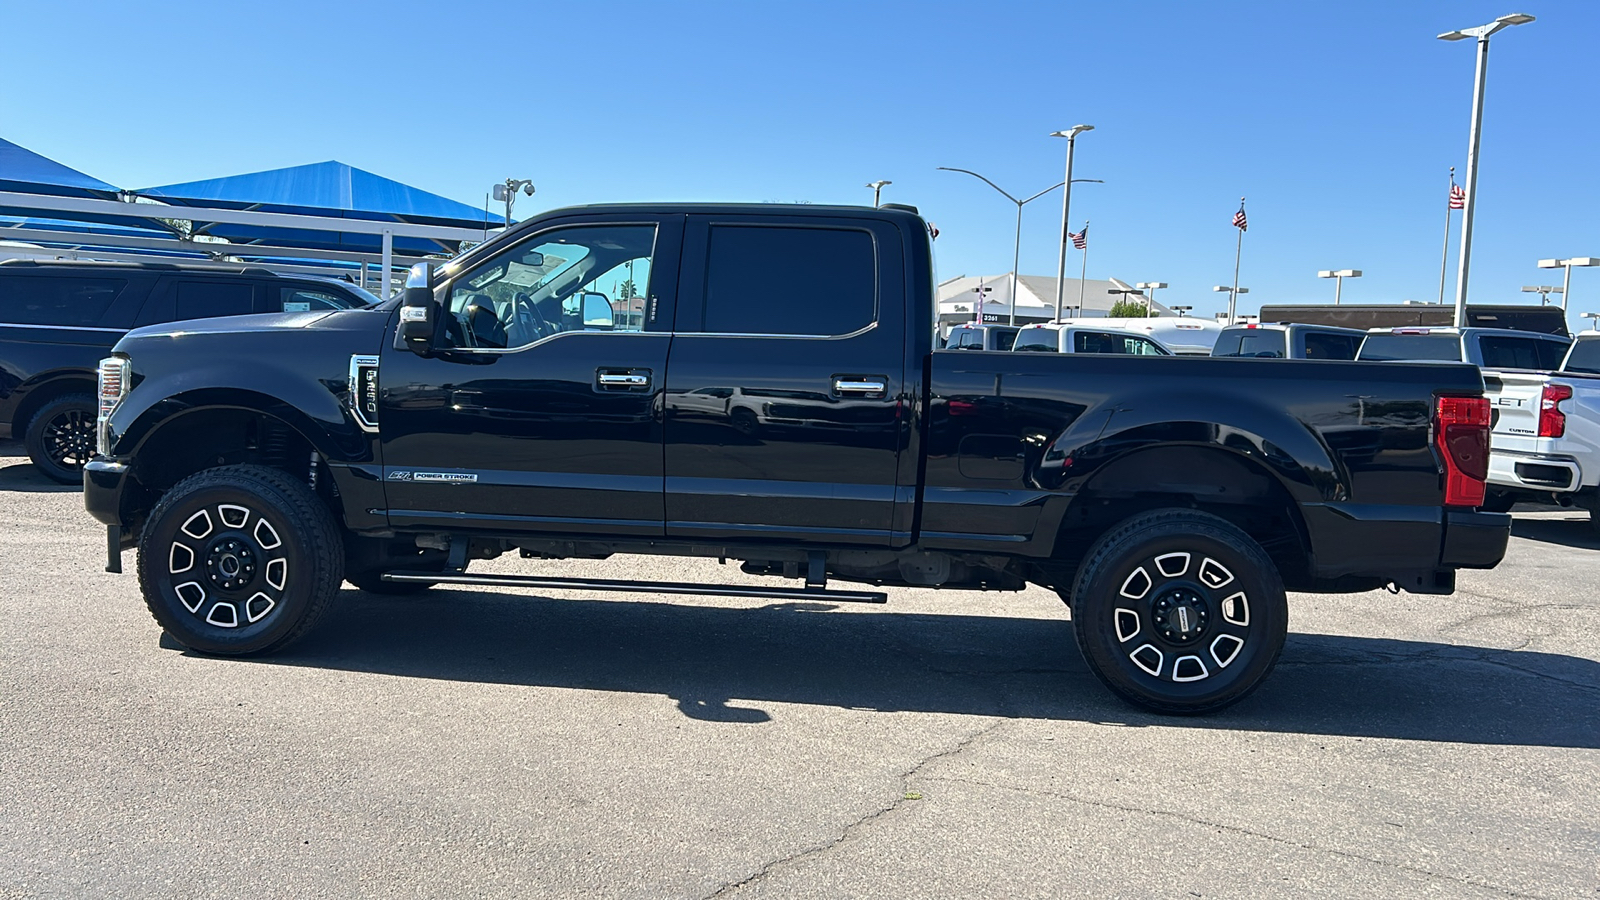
x=47, y=300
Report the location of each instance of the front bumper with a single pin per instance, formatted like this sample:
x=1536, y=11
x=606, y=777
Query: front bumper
x=103, y=483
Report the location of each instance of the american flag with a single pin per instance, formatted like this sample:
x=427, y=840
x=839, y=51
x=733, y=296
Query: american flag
x=1458, y=197
x=1239, y=220
x=1080, y=239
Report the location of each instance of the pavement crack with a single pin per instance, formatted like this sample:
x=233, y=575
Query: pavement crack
x=844, y=833
x=1235, y=829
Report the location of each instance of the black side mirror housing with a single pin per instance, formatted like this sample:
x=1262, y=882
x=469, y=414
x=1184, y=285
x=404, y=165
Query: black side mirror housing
x=419, y=314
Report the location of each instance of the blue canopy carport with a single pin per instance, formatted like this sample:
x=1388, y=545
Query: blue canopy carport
x=326, y=189
x=26, y=172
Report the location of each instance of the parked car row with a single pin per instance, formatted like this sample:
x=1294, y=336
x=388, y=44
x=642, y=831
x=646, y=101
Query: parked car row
x=58, y=319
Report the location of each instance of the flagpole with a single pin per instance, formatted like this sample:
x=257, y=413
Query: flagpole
x=1444, y=258
x=1085, y=273
x=1233, y=295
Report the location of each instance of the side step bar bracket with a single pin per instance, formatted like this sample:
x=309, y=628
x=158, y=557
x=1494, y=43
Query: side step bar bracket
x=641, y=587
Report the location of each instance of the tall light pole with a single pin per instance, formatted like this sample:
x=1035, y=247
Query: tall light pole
x=1482, y=33
x=1071, y=134
x=1338, y=275
x=1152, y=287
x=1233, y=294
x=1182, y=310
x=877, y=188
x=1544, y=291
x=1566, y=280
x=1016, y=250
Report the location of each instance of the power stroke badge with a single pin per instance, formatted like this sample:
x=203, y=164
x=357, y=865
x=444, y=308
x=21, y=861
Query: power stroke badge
x=434, y=477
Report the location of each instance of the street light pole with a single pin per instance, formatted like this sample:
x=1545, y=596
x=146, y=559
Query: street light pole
x=1544, y=291
x=1016, y=251
x=1566, y=280
x=1482, y=33
x=1151, y=286
x=1338, y=275
x=1233, y=294
x=1071, y=135
x=877, y=188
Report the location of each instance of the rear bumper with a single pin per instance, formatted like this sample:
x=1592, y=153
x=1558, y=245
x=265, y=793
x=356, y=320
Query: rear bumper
x=1474, y=540
x=103, y=483
x=1534, y=472
x=1397, y=543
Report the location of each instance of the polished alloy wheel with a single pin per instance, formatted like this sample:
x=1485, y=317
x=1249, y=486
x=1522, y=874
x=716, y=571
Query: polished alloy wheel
x=1181, y=617
x=227, y=566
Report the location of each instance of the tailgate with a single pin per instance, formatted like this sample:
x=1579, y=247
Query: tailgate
x=1514, y=408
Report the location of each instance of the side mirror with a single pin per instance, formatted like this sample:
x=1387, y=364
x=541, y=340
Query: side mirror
x=419, y=318
x=597, y=312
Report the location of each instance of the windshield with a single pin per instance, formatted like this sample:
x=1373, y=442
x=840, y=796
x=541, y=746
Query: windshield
x=1390, y=347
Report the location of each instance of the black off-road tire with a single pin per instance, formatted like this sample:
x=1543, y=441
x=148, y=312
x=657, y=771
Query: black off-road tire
x=258, y=560
x=373, y=583
x=60, y=437
x=1179, y=612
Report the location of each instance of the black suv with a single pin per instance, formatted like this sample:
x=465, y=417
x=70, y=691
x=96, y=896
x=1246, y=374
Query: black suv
x=58, y=319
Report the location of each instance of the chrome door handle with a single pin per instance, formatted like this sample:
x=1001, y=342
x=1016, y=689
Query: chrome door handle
x=861, y=386
x=622, y=379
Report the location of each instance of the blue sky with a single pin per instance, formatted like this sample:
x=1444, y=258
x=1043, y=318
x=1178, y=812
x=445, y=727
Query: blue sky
x=1338, y=120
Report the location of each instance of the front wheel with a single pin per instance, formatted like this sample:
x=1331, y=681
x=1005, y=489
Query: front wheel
x=239, y=560
x=60, y=437
x=1179, y=612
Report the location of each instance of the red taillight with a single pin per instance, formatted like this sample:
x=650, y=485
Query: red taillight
x=1461, y=432
x=1552, y=421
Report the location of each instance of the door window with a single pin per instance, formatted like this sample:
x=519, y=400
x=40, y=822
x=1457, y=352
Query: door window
x=583, y=278
x=790, y=281
x=204, y=299
x=1102, y=342
x=42, y=300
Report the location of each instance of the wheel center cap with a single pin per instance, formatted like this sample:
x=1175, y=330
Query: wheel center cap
x=230, y=563
x=1181, y=614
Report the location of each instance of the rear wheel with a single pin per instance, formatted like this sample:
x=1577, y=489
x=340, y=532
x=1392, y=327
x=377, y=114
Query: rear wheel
x=239, y=560
x=60, y=437
x=1179, y=612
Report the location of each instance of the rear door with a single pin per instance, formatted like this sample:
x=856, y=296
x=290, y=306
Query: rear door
x=800, y=324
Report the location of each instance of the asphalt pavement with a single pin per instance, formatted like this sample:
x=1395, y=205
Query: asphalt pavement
x=469, y=743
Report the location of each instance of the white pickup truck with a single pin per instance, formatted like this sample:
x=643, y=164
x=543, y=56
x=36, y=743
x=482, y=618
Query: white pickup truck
x=1545, y=442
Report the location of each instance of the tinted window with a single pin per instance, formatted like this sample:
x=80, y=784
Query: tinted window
x=1329, y=345
x=299, y=299
x=1410, y=346
x=1515, y=352
x=966, y=339
x=1036, y=339
x=203, y=299
x=1551, y=353
x=39, y=300
x=1251, y=342
x=1585, y=358
x=1005, y=340
x=1101, y=342
x=790, y=281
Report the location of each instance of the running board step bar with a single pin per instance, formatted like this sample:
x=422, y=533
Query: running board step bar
x=642, y=587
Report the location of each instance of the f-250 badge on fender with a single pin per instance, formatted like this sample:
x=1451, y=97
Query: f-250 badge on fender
x=435, y=477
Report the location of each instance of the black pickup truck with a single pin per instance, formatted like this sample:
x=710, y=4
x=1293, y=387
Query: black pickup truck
x=757, y=383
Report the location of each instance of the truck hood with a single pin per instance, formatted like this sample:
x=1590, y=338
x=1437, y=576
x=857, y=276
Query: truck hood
x=234, y=324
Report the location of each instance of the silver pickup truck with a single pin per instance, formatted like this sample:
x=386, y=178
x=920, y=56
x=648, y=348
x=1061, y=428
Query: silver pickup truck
x=1545, y=443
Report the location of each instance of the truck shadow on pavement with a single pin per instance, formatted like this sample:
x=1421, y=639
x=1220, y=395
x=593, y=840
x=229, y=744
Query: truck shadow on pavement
x=1575, y=532
x=25, y=477
x=722, y=664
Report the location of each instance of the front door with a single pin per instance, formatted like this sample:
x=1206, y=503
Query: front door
x=541, y=413
x=785, y=389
